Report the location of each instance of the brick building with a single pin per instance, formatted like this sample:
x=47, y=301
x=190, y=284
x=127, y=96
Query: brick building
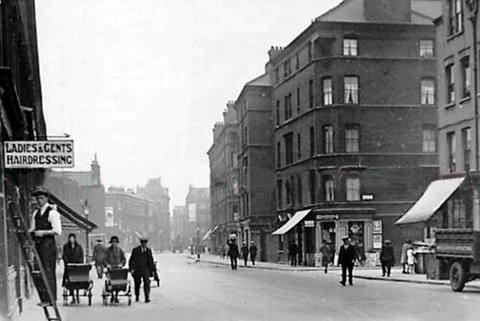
x=457, y=51
x=198, y=213
x=355, y=109
x=179, y=228
x=224, y=180
x=256, y=174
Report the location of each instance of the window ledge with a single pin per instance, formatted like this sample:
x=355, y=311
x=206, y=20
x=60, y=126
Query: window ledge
x=465, y=99
x=450, y=105
x=454, y=35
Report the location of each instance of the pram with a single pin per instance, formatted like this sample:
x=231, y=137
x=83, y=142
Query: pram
x=77, y=278
x=116, y=281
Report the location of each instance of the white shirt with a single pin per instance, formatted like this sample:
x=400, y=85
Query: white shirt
x=53, y=218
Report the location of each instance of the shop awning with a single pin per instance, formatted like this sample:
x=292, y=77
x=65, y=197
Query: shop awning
x=291, y=223
x=210, y=232
x=72, y=216
x=437, y=193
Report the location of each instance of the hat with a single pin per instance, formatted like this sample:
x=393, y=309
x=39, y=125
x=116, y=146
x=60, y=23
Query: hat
x=114, y=238
x=233, y=237
x=99, y=241
x=345, y=238
x=40, y=191
x=143, y=238
x=387, y=242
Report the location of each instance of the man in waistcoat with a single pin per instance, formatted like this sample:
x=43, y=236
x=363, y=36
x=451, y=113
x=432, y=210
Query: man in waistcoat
x=142, y=266
x=45, y=225
x=346, y=258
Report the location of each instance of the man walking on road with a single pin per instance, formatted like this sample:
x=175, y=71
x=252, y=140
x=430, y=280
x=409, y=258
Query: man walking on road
x=387, y=258
x=99, y=257
x=253, y=252
x=45, y=225
x=244, y=252
x=142, y=266
x=233, y=251
x=346, y=258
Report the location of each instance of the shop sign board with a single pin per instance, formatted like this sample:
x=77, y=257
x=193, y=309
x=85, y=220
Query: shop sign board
x=38, y=154
x=377, y=241
x=327, y=217
x=309, y=223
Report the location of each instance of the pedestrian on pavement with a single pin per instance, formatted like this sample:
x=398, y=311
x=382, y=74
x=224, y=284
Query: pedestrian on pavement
x=114, y=259
x=411, y=260
x=346, y=258
x=233, y=251
x=253, y=252
x=99, y=257
x=244, y=252
x=403, y=257
x=292, y=253
x=387, y=258
x=142, y=267
x=72, y=253
x=326, y=255
x=45, y=225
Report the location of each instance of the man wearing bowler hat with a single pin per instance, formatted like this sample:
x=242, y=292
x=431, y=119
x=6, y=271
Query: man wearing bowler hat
x=114, y=259
x=45, y=225
x=142, y=266
x=346, y=258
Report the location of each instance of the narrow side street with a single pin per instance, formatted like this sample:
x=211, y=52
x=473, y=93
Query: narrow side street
x=203, y=291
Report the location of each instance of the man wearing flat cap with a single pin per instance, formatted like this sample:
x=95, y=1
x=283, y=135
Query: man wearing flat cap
x=45, y=225
x=114, y=259
x=142, y=266
x=346, y=258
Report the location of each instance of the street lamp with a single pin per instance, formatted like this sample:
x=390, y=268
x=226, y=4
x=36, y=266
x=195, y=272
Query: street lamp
x=198, y=241
x=86, y=211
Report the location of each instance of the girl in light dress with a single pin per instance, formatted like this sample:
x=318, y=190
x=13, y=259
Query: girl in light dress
x=411, y=260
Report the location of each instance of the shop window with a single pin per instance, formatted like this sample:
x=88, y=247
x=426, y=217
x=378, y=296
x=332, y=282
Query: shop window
x=356, y=232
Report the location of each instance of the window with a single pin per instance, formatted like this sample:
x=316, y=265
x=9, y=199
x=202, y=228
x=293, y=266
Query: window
x=455, y=16
x=299, y=189
x=312, y=141
x=277, y=113
x=327, y=91
x=309, y=49
x=329, y=188
x=452, y=160
x=328, y=139
x=288, y=148
x=279, y=155
x=310, y=94
x=428, y=92
x=429, y=144
x=352, y=138
x=298, y=99
x=299, y=146
x=351, y=90
x=466, y=77
x=288, y=192
x=288, y=106
x=450, y=79
x=312, y=182
x=467, y=147
x=277, y=74
x=426, y=48
x=279, y=193
x=350, y=47
x=353, y=188
x=297, y=61
x=246, y=135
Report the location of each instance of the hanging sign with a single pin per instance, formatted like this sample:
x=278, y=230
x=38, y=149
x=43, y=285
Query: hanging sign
x=38, y=154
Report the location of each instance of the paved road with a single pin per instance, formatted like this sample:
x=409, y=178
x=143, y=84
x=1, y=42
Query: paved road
x=198, y=291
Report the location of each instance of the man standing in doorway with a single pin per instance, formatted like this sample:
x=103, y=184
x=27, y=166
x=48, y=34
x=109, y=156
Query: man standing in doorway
x=45, y=225
x=141, y=266
x=292, y=252
x=346, y=258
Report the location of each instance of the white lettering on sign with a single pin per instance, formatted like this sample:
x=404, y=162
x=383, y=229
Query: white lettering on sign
x=39, y=154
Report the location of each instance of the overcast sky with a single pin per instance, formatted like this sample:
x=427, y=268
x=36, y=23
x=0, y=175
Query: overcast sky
x=141, y=83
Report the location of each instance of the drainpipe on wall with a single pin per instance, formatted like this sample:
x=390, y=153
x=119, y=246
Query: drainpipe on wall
x=473, y=7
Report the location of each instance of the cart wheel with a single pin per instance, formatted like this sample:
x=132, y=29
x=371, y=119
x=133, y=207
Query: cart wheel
x=458, y=276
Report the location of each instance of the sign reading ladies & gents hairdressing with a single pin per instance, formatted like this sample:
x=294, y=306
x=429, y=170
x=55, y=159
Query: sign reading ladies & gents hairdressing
x=39, y=154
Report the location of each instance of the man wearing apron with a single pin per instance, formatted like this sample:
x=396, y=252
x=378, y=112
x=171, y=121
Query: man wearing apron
x=45, y=225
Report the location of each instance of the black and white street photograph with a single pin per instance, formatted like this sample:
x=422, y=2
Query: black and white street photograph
x=239, y=160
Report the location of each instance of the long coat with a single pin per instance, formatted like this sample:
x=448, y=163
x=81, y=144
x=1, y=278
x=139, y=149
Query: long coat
x=232, y=249
x=141, y=261
x=387, y=257
x=326, y=254
x=347, y=256
x=245, y=251
x=72, y=254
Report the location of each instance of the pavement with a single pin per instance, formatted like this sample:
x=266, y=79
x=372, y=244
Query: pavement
x=209, y=290
x=368, y=273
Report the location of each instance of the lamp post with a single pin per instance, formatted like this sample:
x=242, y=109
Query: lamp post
x=86, y=211
x=198, y=241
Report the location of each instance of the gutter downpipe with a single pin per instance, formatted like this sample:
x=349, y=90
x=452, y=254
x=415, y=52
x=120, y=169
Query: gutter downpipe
x=473, y=20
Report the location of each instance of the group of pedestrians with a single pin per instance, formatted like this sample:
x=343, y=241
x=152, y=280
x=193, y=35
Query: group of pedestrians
x=245, y=251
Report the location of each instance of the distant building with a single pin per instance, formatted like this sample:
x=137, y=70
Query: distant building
x=180, y=228
x=198, y=212
x=224, y=178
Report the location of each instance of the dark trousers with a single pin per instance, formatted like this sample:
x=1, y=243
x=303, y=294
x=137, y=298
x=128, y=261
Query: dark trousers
x=293, y=260
x=253, y=257
x=386, y=268
x=245, y=259
x=138, y=276
x=346, y=267
x=233, y=262
x=99, y=268
x=47, y=250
